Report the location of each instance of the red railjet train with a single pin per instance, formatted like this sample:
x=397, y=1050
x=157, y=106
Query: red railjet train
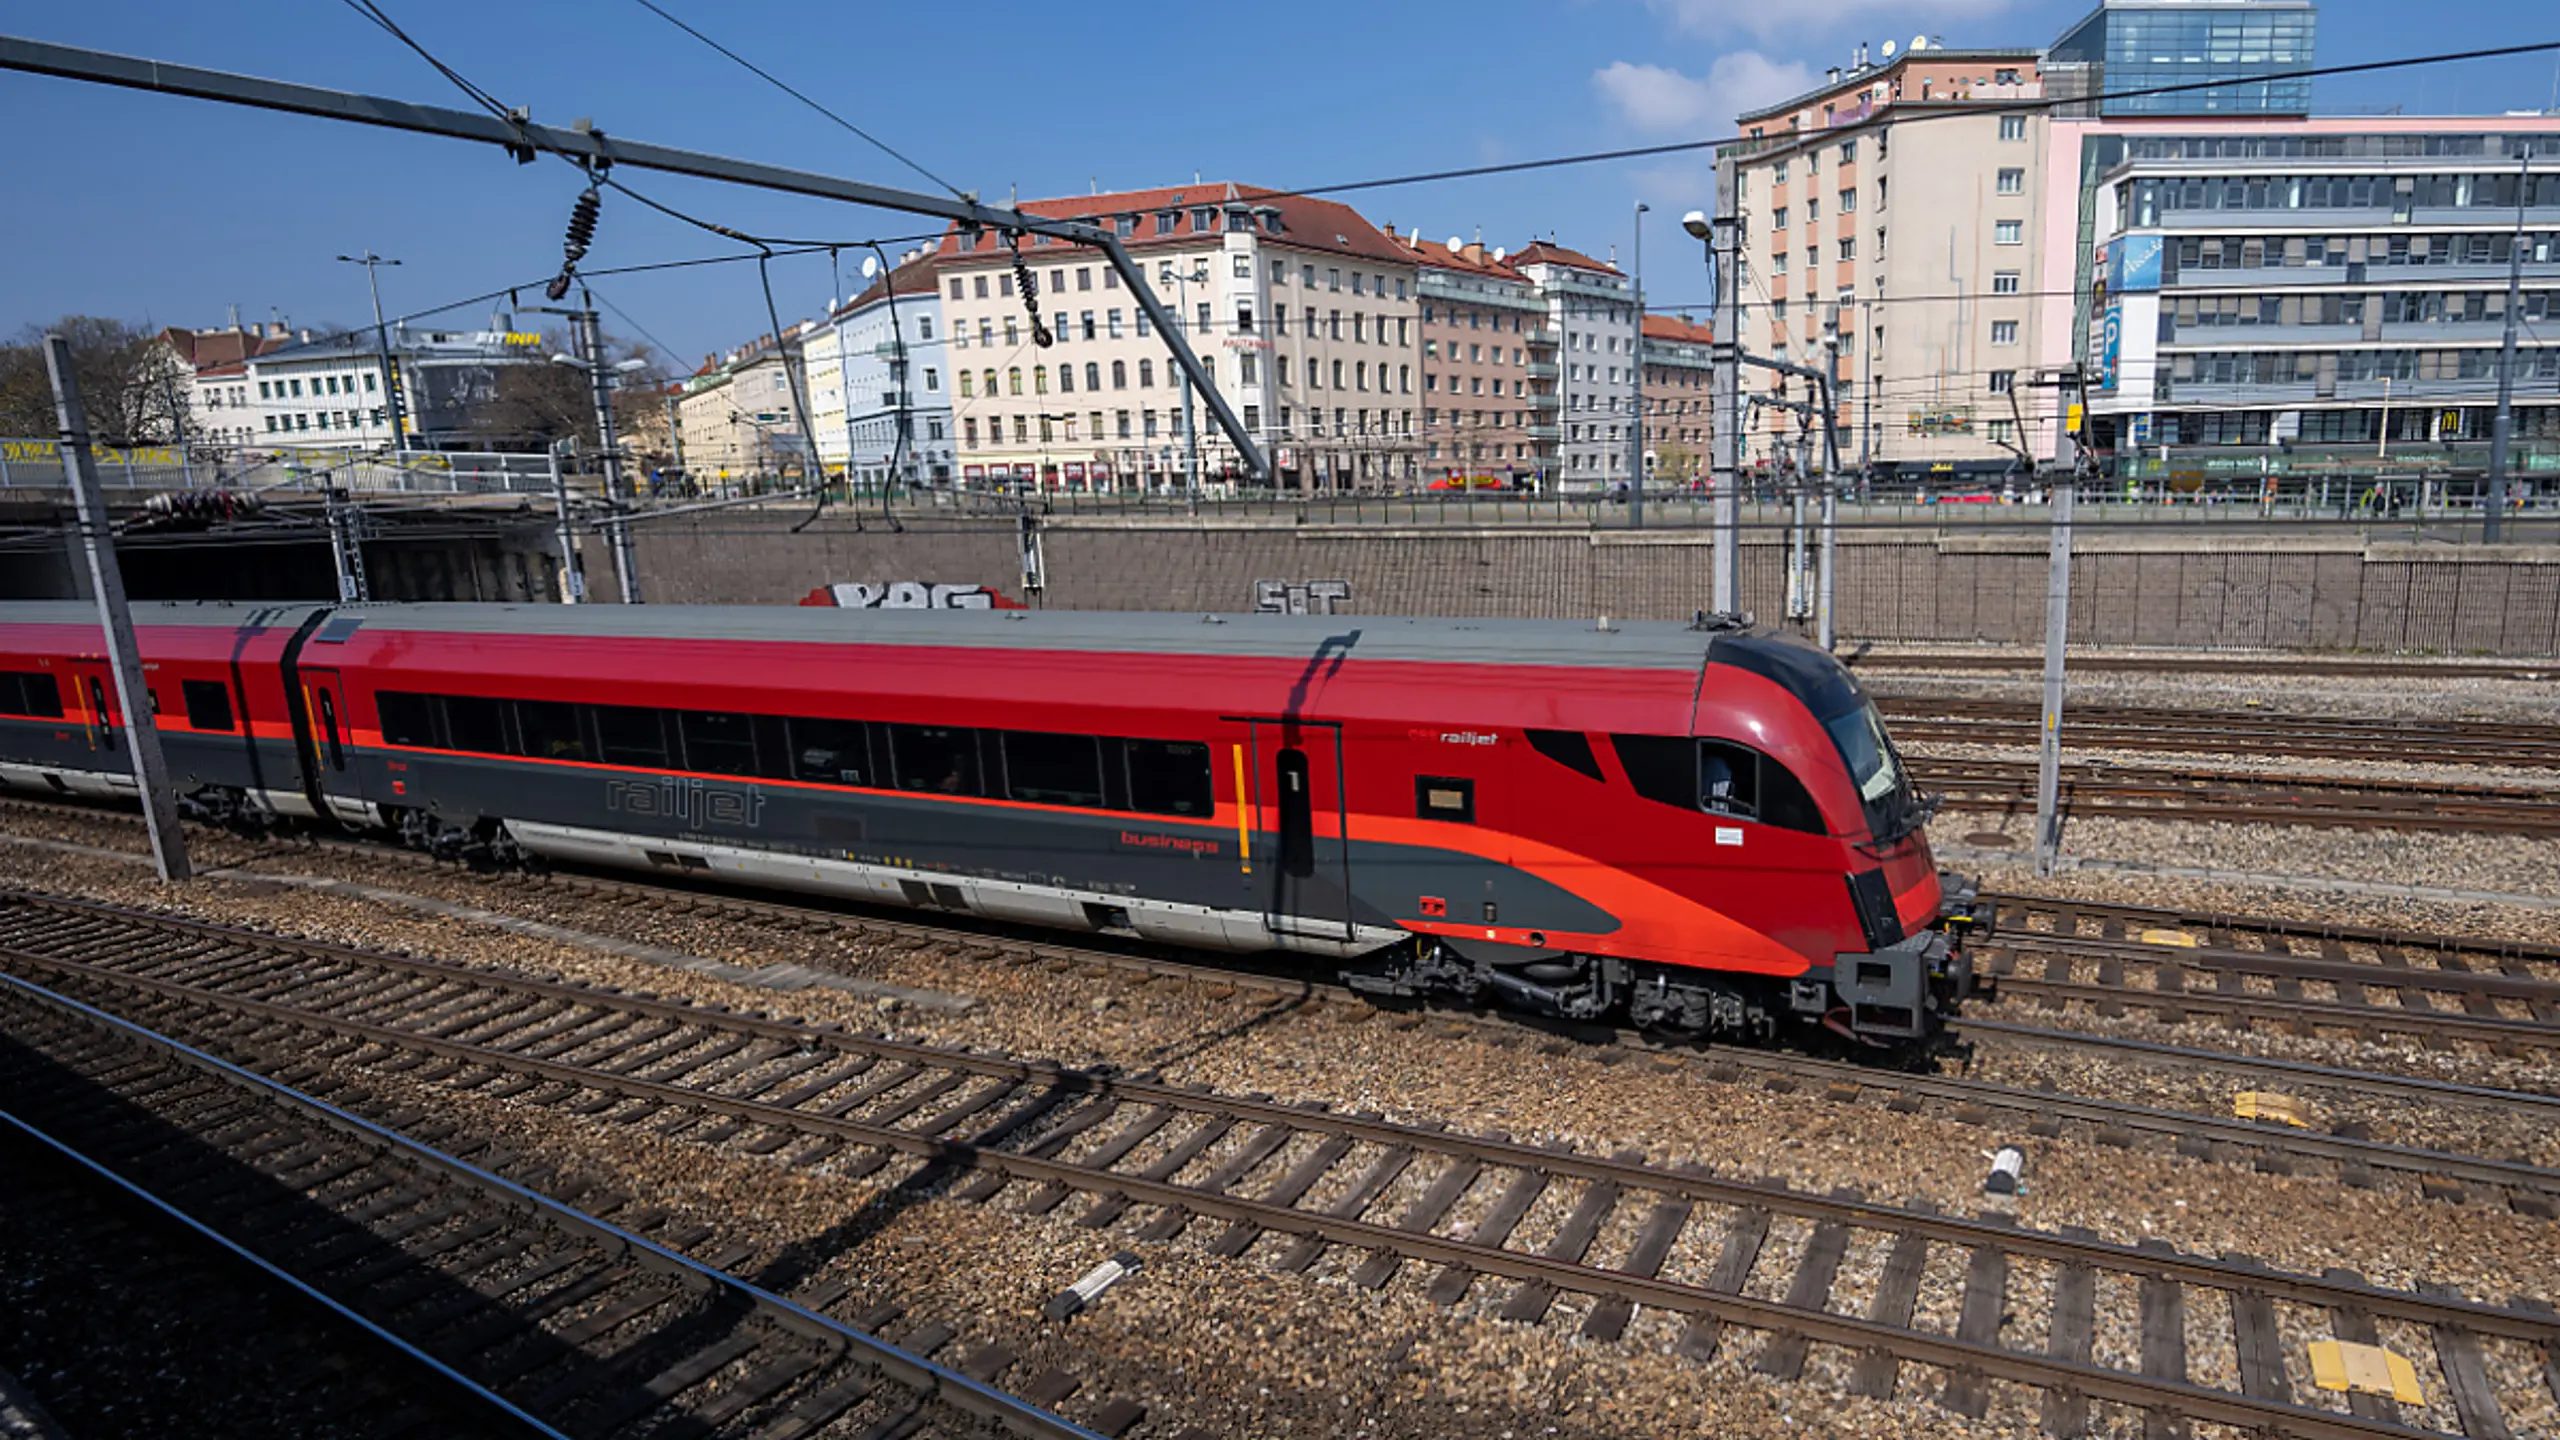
x=1701, y=829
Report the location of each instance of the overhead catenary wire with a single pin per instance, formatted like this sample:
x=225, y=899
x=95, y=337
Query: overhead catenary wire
x=1906, y=117
x=786, y=88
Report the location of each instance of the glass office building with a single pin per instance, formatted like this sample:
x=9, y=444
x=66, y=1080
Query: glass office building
x=2128, y=45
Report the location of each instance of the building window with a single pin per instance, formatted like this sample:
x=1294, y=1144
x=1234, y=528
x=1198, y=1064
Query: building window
x=2008, y=232
x=932, y=378
x=2013, y=127
x=1092, y=375
x=1778, y=218
x=1848, y=247
x=1146, y=374
x=2003, y=381
x=2001, y=432
x=2004, y=332
x=1119, y=374
x=1013, y=380
x=1244, y=267
x=2013, y=181
x=2004, y=282
x=1848, y=201
x=1245, y=368
x=1848, y=151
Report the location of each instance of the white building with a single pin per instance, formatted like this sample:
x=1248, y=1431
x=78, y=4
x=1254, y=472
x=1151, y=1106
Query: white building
x=879, y=367
x=211, y=369
x=330, y=393
x=1300, y=310
x=1591, y=313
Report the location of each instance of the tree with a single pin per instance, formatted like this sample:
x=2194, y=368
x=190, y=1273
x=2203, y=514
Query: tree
x=530, y=406
x=133, y=387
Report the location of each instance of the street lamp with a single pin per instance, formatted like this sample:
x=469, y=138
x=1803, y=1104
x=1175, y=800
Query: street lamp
x=372, y=264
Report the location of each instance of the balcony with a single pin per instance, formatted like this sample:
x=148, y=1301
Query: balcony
x=1542, y=337
x=1467, y=290
x=1548, y=400
x=1575, y=282
x=1545, y=370
x=1546, y=434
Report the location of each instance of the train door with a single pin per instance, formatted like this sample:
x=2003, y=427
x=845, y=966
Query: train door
x=108, y=769
x=1299, y=787
x=327, y=744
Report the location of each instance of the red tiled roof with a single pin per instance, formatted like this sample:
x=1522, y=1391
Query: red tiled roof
x=206, y=351
x=1544, y=252
x=1305, y=223
x=1678, y=328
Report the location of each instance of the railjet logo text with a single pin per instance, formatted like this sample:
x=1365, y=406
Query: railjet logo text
x=695, y=802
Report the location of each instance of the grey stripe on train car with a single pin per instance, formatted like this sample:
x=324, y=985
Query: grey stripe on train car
x=1660, y=644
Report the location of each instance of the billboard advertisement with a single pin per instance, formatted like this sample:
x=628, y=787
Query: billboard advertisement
x=2133, y=263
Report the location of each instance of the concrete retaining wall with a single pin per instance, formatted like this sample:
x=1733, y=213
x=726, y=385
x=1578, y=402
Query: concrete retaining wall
x=2313, y=589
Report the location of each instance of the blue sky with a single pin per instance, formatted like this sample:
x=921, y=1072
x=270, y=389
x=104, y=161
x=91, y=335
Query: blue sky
x=169, y=211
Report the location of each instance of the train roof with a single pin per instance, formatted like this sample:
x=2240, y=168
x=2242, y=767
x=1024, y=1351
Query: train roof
x=1625, y=645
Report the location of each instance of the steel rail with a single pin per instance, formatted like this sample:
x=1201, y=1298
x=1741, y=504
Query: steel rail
x=1951, y=1229
x=2181, y=1397
x=2313, y=1012
x=915, y=1372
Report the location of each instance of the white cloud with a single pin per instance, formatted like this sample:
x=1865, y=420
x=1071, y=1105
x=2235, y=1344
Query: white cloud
x=1804, y=19
x=1658, y=100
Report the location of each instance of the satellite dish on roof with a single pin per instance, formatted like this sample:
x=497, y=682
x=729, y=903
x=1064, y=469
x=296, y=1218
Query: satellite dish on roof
x=1498, y=253
x=1455, y=245
x=1919, y=43
x=870, y=266
x=1889, y=48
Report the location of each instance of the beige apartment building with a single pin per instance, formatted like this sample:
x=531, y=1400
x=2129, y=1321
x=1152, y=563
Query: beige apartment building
x=1488, y=408
x=1915, y=242
x=737, y=418
x=1302, y=312
x=1679, y=368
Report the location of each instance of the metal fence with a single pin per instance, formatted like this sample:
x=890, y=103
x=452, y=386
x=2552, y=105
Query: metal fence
x=37, y=465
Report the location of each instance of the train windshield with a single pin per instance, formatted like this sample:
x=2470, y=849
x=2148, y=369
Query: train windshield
x=1860, y=735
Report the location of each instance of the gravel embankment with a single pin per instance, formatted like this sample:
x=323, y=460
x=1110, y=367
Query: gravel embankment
x=1484, y=1081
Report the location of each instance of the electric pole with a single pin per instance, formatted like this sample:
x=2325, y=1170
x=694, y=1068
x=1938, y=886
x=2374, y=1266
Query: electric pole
x=2057, y=630
x=372, y=264
x=115, y=618
x=1825, y=612
x=2494, y=523
x=586, y=334
x=1724, y=438
x=1635, y=482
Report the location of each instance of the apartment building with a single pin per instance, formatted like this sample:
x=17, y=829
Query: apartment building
x=210, y=370
x=736, y=413
x=1302, y=313
x=1679, y=368
x=879, y=381
x=2330, y=281
x=1590, y=336
x=1488, y=407
x=1910, y=242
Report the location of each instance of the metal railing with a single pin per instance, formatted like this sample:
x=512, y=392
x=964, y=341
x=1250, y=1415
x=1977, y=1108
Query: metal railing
x=37, y=465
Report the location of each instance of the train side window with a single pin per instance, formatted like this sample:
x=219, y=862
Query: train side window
x=1662, y=768
x=551, y=730
x=1739, y=781
x=1439, y=797
x=208, y=704
x=1297, y=814
x=30, y=692
x=773, y=747
x=104, y=720
x=1115, y=774
x=1170, y=777
x=831, y=752
x=329, y=730
x=936, y=759
x=631, y=735
x=1785, y=803
x=717, y=742
x=476, y=724
x=1569, y=748
x=1052, y=769
x=1728, y=779
x=406, y=719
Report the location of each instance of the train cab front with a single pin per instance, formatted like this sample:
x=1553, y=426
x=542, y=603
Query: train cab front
x=1914, y=969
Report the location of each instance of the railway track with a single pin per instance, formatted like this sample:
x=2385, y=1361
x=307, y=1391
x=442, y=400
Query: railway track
x=2351, y=1154
x=1942, y=720
x=543, y=1319
x=2357, y=667
x=2009, y=787
x=1295, y=1186
x=2359, y=980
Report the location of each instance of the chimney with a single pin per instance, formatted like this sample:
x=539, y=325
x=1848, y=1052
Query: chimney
x=235, y=316
x=1832, y=75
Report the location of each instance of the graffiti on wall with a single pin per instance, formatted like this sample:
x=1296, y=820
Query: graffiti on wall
x=911, y=595
x=1300, y=597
